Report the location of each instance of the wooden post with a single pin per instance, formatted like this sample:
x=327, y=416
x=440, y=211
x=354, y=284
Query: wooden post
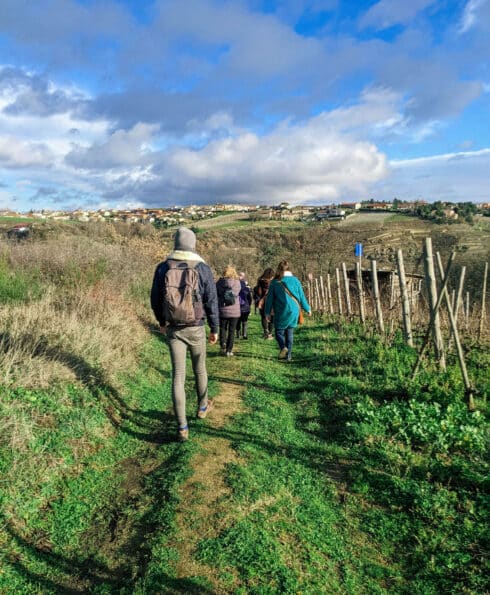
x=432, y=289
x=339, y=291
x=431, y=322
x=457, y=342
x=377, y=301
x=362, y=313
x=329, y=293
x=317, y=295
x=347, y=290
x=483, y=304
x=459, y=300
x=407, y=324
x=322, y=291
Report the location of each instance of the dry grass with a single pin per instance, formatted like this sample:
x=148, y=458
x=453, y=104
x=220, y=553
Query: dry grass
x=61, y=335
x=87, y=317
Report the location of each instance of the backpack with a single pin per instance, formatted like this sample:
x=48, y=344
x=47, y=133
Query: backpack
x=228, y=297
x=182, y=304
x=245, y=297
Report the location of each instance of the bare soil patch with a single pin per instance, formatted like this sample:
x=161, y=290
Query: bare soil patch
x=202, y=510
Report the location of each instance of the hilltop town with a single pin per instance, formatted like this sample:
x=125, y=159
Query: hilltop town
x=170, y=216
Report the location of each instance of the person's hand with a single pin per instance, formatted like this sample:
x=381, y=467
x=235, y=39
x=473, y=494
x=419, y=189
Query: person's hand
x=213, y=337
x=268, y=318
x=309, y=313
x=163, y=329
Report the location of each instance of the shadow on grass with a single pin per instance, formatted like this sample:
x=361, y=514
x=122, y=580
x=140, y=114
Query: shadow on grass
x=128, y=550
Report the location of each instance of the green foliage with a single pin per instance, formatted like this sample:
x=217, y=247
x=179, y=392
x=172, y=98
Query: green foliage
x=346, y=475
x=17, y=286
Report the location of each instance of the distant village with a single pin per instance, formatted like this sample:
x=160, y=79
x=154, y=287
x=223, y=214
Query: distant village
x=168, y=217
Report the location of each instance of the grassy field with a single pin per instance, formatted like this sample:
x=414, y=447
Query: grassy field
x=332, y=474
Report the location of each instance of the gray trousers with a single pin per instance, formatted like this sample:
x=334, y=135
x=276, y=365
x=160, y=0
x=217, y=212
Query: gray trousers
x=179, y=340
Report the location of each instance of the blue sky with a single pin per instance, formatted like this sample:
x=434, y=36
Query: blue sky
x=121, y=103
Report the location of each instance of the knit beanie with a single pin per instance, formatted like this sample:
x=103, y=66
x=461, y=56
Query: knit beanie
x=185, y=239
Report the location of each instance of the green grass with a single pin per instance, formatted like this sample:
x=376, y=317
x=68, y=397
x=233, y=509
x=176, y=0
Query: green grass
x=16, y=220
x=349, y=478
x=18, y=286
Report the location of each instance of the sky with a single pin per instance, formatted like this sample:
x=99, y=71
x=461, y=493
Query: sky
x=129, y=103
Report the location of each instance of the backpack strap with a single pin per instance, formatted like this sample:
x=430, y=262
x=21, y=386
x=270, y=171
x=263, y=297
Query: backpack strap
x=290, y=294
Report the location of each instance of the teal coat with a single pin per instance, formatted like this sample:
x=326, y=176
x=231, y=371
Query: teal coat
x=284, y=308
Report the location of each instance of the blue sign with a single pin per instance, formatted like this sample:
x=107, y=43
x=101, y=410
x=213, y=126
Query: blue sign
x=358, y=249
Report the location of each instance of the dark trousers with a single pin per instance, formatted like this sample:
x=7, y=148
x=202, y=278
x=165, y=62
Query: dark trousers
x=242, y=326
x=227, y=327
x=266, y=325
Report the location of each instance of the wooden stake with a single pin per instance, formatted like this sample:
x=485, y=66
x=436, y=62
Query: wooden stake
x=483, y=300
x=377, y=301
x=432, y=289
x=457, y=342
x=322, y=291
x=329, y=293
x=339, y=291
x=431, y=322
x=360, y=293
x=459, y=300
x=317, y=295
x=407, y=324
x=347, y=290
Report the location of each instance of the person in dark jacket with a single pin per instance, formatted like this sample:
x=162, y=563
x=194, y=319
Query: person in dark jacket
x=263, y=283
x=285, y=298
x=190, y=336
x=228, y=289
x=245, y=298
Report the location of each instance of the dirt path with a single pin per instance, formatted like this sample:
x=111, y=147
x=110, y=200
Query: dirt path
x=201, y=510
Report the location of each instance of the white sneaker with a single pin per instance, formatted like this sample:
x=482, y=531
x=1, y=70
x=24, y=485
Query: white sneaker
x=283, y=353
x=229, y=354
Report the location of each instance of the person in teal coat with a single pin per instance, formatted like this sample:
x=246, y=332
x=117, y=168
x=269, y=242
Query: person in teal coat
x=284, y=299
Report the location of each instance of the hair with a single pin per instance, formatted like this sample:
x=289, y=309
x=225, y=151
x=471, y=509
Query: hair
x=267, y=274
x=229, y=272
x=281, y=268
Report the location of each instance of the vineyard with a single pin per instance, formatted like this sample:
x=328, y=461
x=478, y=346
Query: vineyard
x=340, y=473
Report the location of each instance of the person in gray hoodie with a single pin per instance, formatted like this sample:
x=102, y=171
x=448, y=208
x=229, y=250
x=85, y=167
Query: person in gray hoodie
x=189, y=336
x=228, y=290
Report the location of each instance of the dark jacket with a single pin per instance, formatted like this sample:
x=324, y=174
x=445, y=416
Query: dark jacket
x=207, y=290
x=262, y=289
x=222, y=285
x=245, y=297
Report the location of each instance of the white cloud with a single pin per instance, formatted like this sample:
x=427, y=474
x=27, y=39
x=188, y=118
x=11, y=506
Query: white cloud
x=319, y=159
x=16, y=153
x=387, y=13
x=122, y=149
x=470, y=15
x=457, y=177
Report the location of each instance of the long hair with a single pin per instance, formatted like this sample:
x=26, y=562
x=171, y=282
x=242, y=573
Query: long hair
x=267, y=274
x=281, y=268
x=230, y=272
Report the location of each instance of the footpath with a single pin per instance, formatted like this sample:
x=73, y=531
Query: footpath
x=200, y=512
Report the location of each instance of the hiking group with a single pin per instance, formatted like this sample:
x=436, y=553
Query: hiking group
x=184, y=295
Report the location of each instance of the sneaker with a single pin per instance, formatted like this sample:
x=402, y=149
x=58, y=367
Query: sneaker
x=283, y=353
x=183, y=434
x=201, y=414
x=245, y=337
x=229, y=354
x=269, y=337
